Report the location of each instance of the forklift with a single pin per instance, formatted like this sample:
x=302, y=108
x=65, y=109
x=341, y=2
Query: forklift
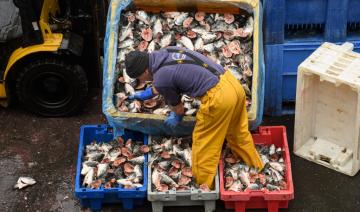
x=41, y=48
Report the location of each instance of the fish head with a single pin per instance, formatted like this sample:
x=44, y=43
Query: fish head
x=184, y=180
x=187, y=171
x=229, y=181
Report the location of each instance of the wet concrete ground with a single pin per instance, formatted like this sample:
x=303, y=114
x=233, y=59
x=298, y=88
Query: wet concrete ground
x=46, y=149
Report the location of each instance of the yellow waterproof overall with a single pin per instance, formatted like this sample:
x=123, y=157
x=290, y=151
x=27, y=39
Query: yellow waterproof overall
x=222, y=115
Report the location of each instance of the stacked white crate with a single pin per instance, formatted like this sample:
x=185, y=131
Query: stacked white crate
x=327, y=117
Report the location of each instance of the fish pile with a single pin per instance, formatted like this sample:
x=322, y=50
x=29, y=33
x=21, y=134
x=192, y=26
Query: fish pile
x=240, y=177
x=224, y=38
x=155, y=105
x=114, y=164
x=171, y=165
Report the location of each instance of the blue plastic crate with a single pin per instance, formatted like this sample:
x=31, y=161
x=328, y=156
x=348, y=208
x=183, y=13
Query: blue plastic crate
x=311, y=20
x=95, y=198
x=282, y=61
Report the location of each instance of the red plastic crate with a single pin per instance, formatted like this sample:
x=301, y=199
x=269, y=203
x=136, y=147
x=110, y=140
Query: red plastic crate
x=272, y=200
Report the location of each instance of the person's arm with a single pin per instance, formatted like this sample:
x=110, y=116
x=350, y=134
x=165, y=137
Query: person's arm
x=173, y=99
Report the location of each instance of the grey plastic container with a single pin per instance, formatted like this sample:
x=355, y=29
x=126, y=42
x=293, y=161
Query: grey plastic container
x=181, y=198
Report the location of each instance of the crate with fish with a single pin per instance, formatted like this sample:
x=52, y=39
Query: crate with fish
x=232, y=39
x=327, y=115
x=111, y=170
x=243, y=187
x=170, y=179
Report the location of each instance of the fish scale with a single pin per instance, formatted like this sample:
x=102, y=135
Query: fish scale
x=168, y=24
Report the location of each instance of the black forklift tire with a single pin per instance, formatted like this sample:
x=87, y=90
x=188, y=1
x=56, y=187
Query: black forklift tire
x=52, y=87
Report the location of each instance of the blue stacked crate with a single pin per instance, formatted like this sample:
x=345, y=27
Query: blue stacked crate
x=293, y=30
x=95, y=198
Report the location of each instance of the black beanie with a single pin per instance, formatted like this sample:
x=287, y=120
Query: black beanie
x=136, y=62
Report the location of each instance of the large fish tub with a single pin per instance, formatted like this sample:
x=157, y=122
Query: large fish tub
x=154, y=124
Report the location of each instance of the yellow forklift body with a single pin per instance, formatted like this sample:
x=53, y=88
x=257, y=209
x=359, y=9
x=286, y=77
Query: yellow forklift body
x=52, y=41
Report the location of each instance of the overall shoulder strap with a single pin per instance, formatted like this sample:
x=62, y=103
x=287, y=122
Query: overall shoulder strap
x=195, y=61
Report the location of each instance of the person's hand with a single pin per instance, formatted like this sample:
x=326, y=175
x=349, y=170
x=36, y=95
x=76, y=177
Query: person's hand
x=173, y=119
x=143, y=95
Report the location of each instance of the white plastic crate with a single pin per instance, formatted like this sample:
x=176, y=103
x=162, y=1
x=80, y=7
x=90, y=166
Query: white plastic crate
x=327, y=116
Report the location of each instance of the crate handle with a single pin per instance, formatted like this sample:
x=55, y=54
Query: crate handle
x=324, y=159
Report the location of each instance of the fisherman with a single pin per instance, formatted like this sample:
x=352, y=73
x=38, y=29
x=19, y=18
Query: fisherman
x=222, y=115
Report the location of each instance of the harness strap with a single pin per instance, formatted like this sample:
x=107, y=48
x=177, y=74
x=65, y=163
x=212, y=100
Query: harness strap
x=195, y=61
